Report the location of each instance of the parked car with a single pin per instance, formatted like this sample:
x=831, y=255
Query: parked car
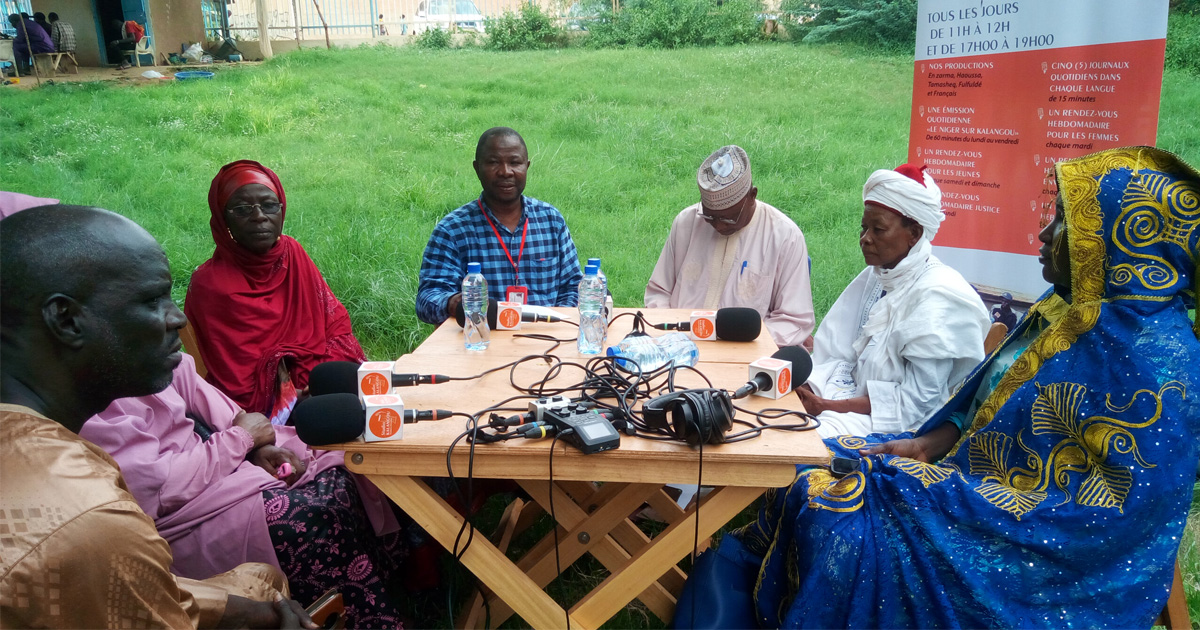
x=436, y=14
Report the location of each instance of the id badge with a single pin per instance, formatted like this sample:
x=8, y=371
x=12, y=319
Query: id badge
x=517, y=294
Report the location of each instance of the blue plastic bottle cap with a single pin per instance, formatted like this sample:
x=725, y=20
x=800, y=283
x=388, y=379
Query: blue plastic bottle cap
x=594, y=261
x=473, y=267
x=589, y=270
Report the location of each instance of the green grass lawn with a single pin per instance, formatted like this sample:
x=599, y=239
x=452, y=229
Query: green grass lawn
x=375, y=145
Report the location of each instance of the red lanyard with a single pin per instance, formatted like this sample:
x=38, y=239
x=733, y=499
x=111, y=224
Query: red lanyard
x=515, y=265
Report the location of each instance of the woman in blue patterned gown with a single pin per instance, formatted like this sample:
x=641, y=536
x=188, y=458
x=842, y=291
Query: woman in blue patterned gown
x=1053, y=488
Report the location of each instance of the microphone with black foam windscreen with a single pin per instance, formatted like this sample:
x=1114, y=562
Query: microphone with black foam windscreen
x=733, y=323
x=341, y=377
x=334, y=418
x=493, y=308
x=774, y=378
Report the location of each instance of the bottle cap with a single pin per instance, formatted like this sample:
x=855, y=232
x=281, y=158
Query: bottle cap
x=473, y=267
x=594, y=261
x=590, y=270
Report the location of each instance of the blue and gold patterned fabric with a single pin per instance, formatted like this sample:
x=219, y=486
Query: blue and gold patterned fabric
x=1063, y=502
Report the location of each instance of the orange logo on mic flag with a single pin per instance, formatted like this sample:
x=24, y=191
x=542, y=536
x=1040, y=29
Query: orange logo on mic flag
x=784, y=381
x=703, y=329
x=385, y=422
x=375, y=383
x=509, y=317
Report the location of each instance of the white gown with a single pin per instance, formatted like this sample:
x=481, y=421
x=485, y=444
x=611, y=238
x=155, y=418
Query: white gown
x=906, y=337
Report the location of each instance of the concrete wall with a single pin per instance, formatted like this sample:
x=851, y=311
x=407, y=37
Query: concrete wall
x=80, y=15
x=279, y=46
x=172, y=23
x=175, y=22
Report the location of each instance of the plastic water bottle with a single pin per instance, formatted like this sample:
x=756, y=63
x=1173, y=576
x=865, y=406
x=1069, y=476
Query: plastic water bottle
x=476, y=334
x=593, y=328
x=608, y=303
x=599, y=273
x=651, y=353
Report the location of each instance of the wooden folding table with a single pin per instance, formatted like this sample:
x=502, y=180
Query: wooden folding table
x=593, y=518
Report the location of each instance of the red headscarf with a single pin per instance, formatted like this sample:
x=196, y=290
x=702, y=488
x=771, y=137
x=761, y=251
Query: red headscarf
x=252, y=311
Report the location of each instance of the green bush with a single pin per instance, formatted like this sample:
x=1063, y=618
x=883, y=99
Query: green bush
x=530, y=29
x=1183, y=41
x=678, y=24
x=887, y=24
x=434, y=38
x=1190, y=7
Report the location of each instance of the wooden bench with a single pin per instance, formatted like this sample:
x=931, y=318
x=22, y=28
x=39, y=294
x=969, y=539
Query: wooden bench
x=48, y=63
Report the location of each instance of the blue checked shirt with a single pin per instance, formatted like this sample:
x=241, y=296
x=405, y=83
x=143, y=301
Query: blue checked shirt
x=549, y=266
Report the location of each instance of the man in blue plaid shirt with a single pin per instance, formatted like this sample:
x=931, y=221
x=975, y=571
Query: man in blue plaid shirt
x=523, y=244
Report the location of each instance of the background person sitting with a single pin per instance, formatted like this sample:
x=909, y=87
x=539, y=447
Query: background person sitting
x=222, y=501
x=1002, y=312
x=262, y=313
x=129, y=34
x=30, y=40
x=87, y=317
x=1062, y=499
x=733, y=250
x=907, y=329
x=39, y=18
x=62, y=34
x=521, y=242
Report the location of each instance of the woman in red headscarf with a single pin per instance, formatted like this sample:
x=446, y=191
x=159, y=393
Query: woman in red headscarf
x=262, y=313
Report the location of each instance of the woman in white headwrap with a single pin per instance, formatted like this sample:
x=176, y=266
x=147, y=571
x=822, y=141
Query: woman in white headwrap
x=907, y=330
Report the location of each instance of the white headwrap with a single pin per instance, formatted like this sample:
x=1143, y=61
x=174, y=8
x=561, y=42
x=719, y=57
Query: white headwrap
x=900, y=191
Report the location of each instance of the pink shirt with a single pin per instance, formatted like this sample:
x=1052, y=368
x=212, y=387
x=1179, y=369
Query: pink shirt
x=204, y=497
x=12, y=203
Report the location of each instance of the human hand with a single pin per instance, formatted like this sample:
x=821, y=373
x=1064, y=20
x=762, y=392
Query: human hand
x=241, y=612
x=292, y=614
x=271, y=457
x=910, y=448
x=813, y=403
x=452, y=304
x=258, y=426
x=927, y=448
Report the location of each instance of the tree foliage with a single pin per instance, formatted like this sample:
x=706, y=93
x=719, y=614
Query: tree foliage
x=529, y=29
x=434, y=38
x=678, y=24
x=889, y=24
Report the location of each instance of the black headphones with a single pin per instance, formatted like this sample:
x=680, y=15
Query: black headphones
x=696, y=415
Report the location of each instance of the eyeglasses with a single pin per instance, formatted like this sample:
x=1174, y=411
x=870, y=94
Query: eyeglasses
x=247, y=210
x=711, y=219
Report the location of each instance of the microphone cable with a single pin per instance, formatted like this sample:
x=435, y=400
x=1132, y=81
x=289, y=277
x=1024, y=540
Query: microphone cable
x=699, y=487
x=810, y=423
x=554, y=515
x=468, y=524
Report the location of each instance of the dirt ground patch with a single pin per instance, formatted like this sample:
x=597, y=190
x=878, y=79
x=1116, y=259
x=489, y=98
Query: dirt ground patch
x=130, y=76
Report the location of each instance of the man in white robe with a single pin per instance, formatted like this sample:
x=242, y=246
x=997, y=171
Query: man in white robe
x=900, y=339
x=733, y=250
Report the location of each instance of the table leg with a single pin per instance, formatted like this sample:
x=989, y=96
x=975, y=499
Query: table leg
x=474, y=614
x=668, y=548
x=440, y=520
x=581, y=532
x=597, y=528
x=670, y=512
x=633, y=539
